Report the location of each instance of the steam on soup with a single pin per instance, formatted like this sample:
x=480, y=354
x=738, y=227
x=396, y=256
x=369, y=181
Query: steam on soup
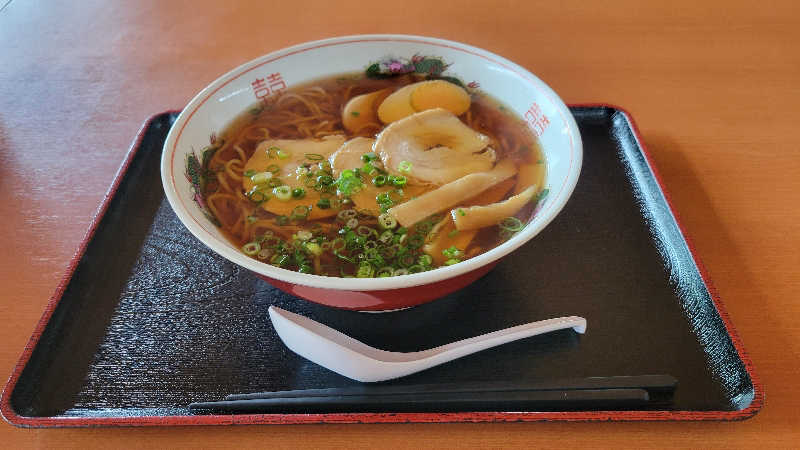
x=351, y=176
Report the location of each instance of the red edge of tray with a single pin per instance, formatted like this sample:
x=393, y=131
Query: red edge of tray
x=12, y=417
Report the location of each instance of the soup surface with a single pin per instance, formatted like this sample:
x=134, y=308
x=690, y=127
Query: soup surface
x=351, y=176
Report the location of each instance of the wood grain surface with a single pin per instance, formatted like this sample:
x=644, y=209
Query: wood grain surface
x=713, y=85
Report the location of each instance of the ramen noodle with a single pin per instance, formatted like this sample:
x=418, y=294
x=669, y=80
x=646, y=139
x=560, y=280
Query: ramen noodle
x=350, y=176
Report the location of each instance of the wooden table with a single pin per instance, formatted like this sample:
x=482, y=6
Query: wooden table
x=714, y=86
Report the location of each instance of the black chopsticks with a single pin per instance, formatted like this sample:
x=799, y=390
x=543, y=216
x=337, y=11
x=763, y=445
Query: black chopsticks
x=616, y=392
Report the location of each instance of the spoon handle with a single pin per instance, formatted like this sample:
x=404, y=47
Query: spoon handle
x=454, y=350
x=354, y=359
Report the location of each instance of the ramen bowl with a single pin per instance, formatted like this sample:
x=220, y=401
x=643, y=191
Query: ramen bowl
x=216, y=106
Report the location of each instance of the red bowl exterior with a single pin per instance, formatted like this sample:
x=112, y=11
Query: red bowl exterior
x=383, y=300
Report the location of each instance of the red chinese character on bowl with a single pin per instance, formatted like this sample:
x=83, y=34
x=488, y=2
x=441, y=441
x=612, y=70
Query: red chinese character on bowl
x=536, y=119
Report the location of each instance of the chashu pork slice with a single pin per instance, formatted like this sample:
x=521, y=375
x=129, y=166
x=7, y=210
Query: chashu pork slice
x=296, y=153
x=348, y=156
x=438, y=147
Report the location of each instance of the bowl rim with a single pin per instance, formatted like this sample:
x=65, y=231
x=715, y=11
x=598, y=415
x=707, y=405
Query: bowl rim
x=545, y=215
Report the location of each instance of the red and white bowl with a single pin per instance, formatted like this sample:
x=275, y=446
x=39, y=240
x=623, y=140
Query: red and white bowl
x=218, y=104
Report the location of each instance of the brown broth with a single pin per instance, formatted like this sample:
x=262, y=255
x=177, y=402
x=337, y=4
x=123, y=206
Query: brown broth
x=314, y=110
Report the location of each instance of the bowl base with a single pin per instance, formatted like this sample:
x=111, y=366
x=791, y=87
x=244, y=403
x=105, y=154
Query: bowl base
x=381, y=300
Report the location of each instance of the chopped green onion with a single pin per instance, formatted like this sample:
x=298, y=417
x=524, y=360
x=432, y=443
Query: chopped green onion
x=372, y=255
x=272, y=152
x=386, y=236
x=401, y=271
x=305, y=268
x=348, y=185
x=389, y=252
x=404, y=167
x=325, y=180
x=314, y=248
x=386, y=221
x=298, y=193
x=379, y=181
x=252, y=219
x=300, y=212
x=268, y=240
x=273, y=168
x=279, y=259
x=314, y=156
x=251, y=248
x=261, y=177
x=383, y=197
x=283, y=193
x=274, y=182
x=354, y=113
x=281, y=220
x=249, y=173
x=365, y=270
x=257, y=197
x=452, y=252
x=541, y=196
x=304, y=235
x=369, y=157
x=359, y=240
x=385, y=271
x=425, y=259
x=461, y=212
x=452, y=261
x=368, y=168
x=324, y=203
x=406, y=260
x=416, y=268
x=398, y=180
x=347, y=173
x=352, y=223
x=343, y=256
x=511, y=224
x=366, y=231
x=283, y=154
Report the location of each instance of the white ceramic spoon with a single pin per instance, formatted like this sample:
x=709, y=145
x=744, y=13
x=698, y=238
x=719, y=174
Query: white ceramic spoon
x=357, y=360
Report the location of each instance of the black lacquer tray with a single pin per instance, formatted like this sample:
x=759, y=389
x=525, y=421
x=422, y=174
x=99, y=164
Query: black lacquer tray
x=149, y=320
